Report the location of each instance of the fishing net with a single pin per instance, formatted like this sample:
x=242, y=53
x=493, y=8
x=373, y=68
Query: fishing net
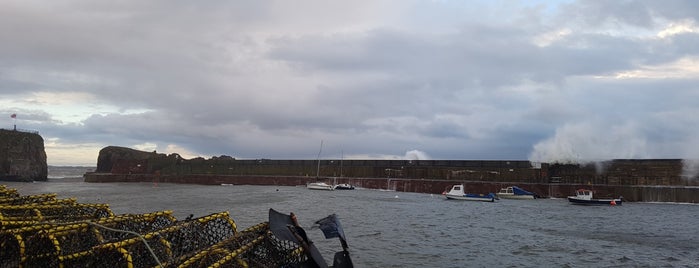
x=29, y=199
x=43, y=231
x=53, y=212
x=254, y=247
x=8, y=192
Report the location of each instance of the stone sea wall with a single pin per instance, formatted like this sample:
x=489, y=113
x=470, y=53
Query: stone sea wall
x=680, y=194
x=661, y=180
x=646, y=172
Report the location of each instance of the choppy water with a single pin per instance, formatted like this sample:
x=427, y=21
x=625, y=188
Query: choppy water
x=396, y=229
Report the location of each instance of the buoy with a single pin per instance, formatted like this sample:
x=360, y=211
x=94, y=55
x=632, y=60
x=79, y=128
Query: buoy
x=613, y=203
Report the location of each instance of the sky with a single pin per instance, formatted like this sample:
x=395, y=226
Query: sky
x=546, y=81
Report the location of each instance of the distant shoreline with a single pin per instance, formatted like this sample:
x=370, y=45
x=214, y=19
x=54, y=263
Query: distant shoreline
x=65, y=173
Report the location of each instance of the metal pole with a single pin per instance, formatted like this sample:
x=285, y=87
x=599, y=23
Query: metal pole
x=342, y=157
x=318, y=159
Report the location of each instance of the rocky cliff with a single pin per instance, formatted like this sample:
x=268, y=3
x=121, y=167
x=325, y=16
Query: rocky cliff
x=22, y=156
x=112, y=157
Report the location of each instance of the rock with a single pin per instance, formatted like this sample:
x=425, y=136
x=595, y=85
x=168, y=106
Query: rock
x=112, y=159
x=22, y=156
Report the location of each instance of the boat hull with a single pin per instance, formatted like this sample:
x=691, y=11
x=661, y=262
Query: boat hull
x=595, y=202
x=319, y=186
x=344, y=187
x=470, y=198
x=515, y=196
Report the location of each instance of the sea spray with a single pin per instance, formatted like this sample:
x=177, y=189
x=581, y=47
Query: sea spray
x=690, y=169
x=416, y=155
x=588, y=142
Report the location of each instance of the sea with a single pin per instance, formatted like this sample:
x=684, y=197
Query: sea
x=399, y=229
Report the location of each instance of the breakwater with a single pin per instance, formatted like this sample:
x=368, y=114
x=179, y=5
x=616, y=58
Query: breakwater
x=633, y=193
x=647, y=180
x=645, y=172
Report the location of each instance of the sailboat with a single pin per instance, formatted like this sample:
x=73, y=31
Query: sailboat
x=319, y=185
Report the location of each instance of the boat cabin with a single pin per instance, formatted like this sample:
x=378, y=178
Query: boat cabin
x=457, y=190
x=507, y=190
x=583, y=194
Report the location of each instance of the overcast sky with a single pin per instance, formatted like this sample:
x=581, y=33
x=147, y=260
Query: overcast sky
x=506, y=80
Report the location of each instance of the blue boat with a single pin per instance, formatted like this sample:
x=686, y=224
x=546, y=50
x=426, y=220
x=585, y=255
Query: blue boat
x=514, y=192
x=457, y=193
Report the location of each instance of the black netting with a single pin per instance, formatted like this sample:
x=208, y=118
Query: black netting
x=29, y=199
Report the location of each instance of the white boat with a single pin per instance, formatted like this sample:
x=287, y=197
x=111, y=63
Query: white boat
x=457, y=193
x=514, y=192
x=344, y=186
x=320, y=186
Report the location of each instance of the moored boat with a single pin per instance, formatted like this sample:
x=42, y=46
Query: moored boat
x=514, y=192
x=344, y=186
x=319, y=186
x=457, y=193
x=584, y=197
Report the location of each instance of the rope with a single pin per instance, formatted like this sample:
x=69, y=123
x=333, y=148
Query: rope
x=152, y=253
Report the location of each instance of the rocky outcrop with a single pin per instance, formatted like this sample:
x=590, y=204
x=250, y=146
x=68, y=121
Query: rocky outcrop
x=114, y=157
x=22, y=156
x=122, y=160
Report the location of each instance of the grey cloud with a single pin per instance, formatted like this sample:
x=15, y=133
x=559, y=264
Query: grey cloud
x=477, y=57
x=252, y=79
x=636, y=13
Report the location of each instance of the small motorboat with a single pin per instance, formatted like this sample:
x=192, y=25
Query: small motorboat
x=457, y=193
x=320, y=186
x=344, y=186
x=584, y=197
x=514, y=192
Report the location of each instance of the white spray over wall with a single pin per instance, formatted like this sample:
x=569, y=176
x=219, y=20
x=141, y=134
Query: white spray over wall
x=690, y=163
x=590, y=142
x=690, y=169
x=594, y=143
x=416, y=155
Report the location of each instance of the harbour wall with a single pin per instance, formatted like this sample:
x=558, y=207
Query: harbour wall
x=642, y=172
x=633, y=193
x=647, y=180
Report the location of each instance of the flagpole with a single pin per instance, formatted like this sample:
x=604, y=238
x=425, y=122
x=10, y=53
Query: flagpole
x=14, y=117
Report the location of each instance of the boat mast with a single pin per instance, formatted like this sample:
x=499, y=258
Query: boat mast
x=318, y=159
x=342, y=157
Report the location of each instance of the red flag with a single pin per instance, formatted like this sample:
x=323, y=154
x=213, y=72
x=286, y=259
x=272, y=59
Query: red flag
x=13, y=115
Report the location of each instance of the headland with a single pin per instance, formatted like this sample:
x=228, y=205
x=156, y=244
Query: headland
x=22, y=156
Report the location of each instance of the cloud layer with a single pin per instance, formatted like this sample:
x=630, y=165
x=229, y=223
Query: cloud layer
x=572, y=81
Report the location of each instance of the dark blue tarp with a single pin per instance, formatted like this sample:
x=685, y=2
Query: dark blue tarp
x=279, y=225
x=283, y=227
x=331, y=227
x=519, y=191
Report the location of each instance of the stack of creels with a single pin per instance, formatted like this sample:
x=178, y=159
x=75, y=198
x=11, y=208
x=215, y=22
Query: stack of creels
x=253, y=247
x=43, y=231
x=8, y=192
